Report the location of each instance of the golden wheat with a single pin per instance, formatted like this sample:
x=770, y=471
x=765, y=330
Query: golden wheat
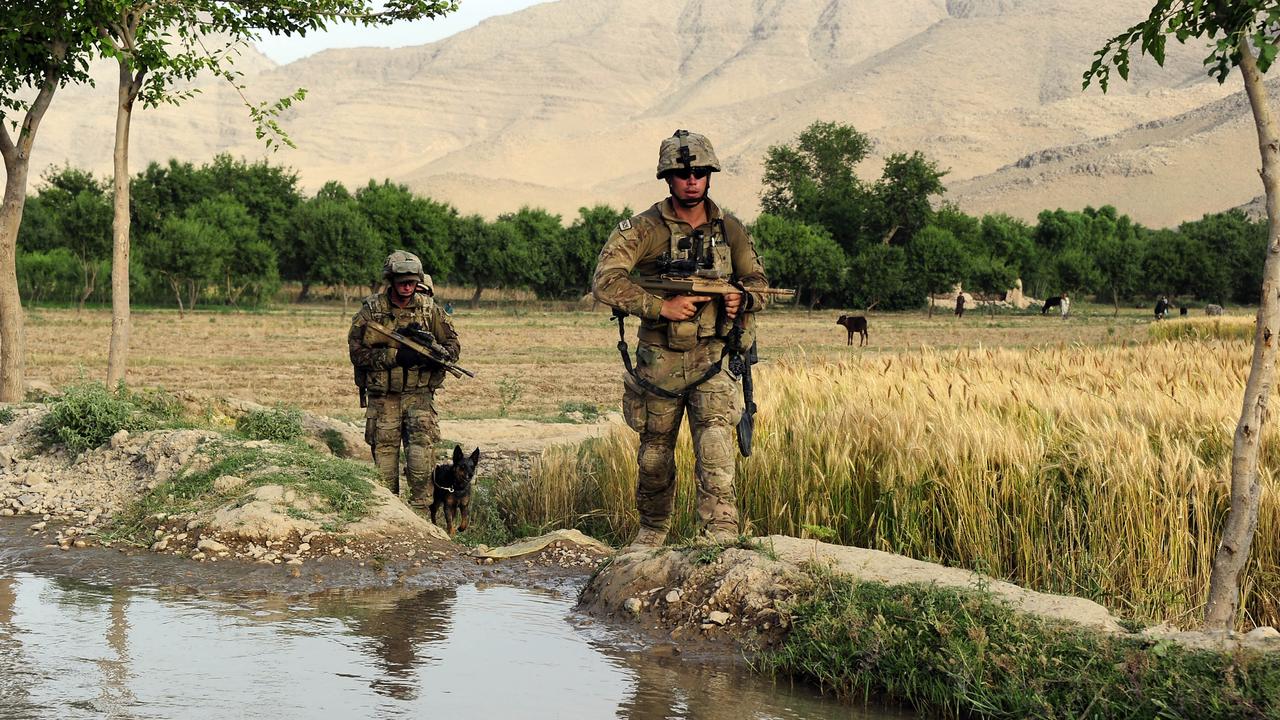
x=1094, y=471
x=1236, y=327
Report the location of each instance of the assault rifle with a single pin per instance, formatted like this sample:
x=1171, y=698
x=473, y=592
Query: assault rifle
x=696, y=284
x=425, y=344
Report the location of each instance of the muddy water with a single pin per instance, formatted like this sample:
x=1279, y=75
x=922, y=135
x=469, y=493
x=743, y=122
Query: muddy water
x=69, y=649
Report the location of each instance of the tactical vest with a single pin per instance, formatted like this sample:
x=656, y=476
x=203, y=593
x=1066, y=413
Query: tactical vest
x=709, y=252
x=397, y=379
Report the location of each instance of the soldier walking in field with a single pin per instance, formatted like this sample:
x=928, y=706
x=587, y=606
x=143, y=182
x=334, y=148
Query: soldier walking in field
x=400, y=382
x=681, y=365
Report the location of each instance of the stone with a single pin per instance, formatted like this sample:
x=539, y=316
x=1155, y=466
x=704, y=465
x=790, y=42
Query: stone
x=28, y=499
x=1264, y=632
x=633, y=606
x=673, y=597
x=119, y=439
x=210, y=545
x=7, y=512
x=718, y=617
x=198, y=556
x=227, y=483
x=39, y=526
x=161, y=546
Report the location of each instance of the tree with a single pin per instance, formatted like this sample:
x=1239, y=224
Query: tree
x=408, y=222
x=800, y=256
x=158, y=45
x=935, y=259
x=902, y=195
x=341, y=247
x=574, y=258
x=188, y=253
x=1243, y=35
x=814, y=181
x=74, y=214
x=247, y=264
x=44, y=45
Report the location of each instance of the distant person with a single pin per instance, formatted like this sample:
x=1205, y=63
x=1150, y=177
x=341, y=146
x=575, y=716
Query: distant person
x=1162, y=307
x=401, y=383
x=448, y=308
x=682, y=364
x=1065, y=305
x=960, y=305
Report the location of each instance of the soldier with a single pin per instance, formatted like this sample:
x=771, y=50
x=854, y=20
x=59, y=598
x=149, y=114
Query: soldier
x=681, y=364
x=400, y=382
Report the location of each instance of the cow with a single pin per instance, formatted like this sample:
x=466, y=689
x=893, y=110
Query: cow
x=1212, y=309
x=1050, y=303
x=1162, y=307
x=854, y=324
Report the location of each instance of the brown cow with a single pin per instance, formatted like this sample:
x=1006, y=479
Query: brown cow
x=855, y=324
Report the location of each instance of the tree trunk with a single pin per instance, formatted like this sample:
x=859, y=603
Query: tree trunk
x=12, y=330
x=17, y=162
x=1232, y=556
x=90, y=281
x=475, y=299
x=305, y=293
x=118, y=350
x=930, y=304
x=1115, y=300
x=177, y=294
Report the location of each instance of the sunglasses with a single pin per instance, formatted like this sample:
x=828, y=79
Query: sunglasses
x=699, y=173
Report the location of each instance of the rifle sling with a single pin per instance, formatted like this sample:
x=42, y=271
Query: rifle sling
x=711, y=372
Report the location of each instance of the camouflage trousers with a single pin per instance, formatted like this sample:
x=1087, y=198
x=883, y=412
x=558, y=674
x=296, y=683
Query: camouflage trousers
x=713, y=407
x=407, y=419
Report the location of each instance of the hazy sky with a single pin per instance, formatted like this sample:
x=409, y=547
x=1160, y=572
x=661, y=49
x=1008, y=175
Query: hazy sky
x=470, y=13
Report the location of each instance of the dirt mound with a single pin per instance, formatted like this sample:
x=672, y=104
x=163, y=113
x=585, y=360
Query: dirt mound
x=79, y=498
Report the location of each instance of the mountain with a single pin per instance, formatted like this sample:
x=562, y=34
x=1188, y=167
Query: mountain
x=563, y=105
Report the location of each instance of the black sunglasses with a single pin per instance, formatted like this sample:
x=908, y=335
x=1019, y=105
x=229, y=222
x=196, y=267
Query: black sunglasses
x=699, y=173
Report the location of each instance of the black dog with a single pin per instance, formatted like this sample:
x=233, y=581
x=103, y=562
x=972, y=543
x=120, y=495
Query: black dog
x=451, y=487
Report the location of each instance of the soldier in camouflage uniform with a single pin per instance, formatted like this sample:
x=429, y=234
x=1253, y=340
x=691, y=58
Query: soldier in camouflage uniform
x=401, y=383
x=682, y=338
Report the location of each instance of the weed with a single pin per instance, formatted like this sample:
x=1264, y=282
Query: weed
x=6, y=415
x=334, y=441
x=87, y=415
x=509, y=391
x=280, y=424
x=487, y=526
x=578, y=412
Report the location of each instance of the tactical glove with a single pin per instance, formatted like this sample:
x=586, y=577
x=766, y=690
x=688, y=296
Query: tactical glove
x=408, y=357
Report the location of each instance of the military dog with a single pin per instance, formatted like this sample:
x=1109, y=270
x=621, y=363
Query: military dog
x=451, y=488
x=855, y=324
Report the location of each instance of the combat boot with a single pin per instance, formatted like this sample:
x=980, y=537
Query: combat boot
x=420, y=496
x=719, y=536
x=647, y=539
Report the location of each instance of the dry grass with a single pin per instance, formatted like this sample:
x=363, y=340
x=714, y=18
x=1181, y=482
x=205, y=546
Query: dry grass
x=296, y=355
x=1238, y=327
x=1093, y=471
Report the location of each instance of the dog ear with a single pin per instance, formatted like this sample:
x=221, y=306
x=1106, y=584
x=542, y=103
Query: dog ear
x=475, y=456
x=457, y=454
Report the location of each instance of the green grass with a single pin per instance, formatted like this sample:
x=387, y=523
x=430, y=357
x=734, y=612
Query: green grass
x=956, y=653
x=487, y=526
x=279, y=424
x=6, y=415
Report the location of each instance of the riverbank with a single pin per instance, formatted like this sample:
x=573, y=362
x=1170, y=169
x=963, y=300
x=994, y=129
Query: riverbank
x=217, y=511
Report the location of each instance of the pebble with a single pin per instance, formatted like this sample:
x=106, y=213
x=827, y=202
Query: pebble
x=304, y=547
x=39, y=525
x=198, y=556
x=719, y=617
x=633, y=606
x=7, y=512
x=80, y=544
x=673, y=597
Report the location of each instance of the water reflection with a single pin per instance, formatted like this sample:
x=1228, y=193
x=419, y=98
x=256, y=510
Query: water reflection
x=72, y=650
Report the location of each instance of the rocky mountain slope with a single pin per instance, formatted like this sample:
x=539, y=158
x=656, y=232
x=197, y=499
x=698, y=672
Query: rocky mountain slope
x=563, y=104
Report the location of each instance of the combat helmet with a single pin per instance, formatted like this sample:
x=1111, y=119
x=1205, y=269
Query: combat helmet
x=686, y=150
x=402, y=263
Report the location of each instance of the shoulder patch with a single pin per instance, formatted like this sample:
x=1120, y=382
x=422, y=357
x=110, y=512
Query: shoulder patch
x=624, y=225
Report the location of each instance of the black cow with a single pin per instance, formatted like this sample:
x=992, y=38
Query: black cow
x=1050, y=303
x=855, y=324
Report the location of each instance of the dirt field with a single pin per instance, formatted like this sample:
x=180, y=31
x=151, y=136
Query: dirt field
x=529, y=361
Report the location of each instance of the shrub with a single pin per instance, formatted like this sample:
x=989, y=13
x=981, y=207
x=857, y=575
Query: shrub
x=87, y=415
x=280, y=424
